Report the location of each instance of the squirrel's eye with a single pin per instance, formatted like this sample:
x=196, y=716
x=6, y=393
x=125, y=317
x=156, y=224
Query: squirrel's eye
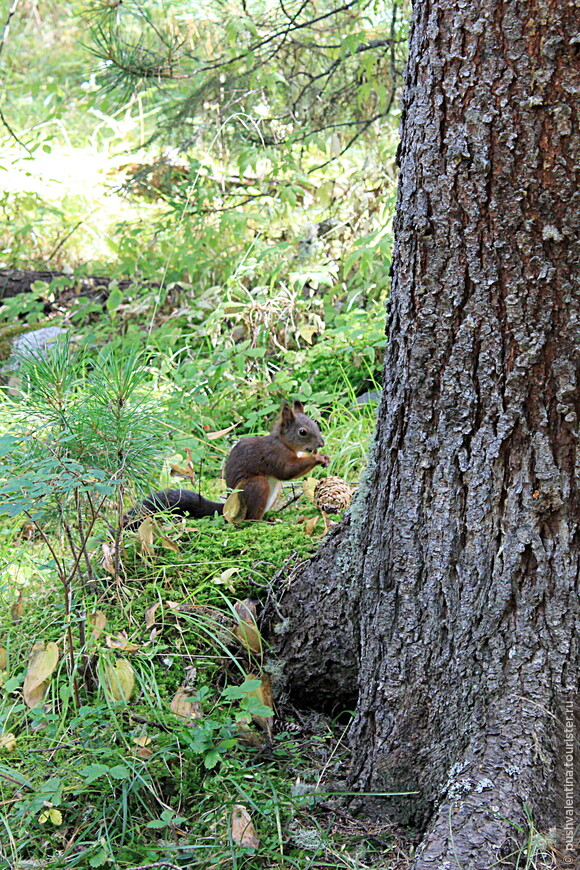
x=303, y=433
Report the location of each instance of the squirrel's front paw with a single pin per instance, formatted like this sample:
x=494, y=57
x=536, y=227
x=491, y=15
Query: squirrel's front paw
x=323, y=459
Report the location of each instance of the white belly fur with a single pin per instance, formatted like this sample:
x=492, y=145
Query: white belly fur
x=275, y=490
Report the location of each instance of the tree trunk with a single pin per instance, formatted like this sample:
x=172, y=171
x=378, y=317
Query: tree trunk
x=454, y=591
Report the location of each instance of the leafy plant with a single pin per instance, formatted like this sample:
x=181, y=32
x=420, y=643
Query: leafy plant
x=83, y=429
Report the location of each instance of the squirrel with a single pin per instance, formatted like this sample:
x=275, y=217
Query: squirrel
x=256, y=466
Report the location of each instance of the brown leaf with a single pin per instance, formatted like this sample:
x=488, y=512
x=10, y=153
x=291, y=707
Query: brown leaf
x=108, y=560
x=17, y=608
x=121, y=641
x=247, y=630
x=145, y=535
x=243, y=831
x=43, y=661
x=3, y=658
x=187, y=472
x=150, y=614
x=98, y=620
x=246, y=610
x=184, y=707
x=144, y=752
x=235, y=508
x=169, y=544
x=309, y=525
x=264, y=695
x=118, y=681
x=213, y=436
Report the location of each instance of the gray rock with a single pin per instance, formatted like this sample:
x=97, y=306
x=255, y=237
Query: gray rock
x=34, y=343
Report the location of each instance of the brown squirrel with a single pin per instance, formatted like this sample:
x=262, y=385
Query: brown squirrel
x=256, y=466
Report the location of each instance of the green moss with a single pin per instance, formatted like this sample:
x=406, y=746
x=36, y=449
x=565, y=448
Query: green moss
x=208, y=548
x=8, y=333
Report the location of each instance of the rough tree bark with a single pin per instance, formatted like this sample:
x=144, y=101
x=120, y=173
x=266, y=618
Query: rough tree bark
x=450, y=600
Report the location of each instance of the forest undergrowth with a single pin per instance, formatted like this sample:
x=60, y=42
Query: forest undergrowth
x=143, y=720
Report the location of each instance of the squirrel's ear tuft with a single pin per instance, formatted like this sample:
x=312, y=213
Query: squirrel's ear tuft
x=298, y=407
x=287, y=414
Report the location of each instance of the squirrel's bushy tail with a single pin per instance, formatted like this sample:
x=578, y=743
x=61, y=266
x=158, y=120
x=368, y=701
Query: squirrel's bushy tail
x=182, y=502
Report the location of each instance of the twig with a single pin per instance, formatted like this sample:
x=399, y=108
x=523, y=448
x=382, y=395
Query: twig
x=11, y=13
x=157, y=864
x=65, y=238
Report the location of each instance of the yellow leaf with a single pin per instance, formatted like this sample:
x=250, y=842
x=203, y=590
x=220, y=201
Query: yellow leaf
x=184, y=707
x=8, y=741
x=308, y=487
x=169, y=544
x=98, y=620
x=55, y=816
x=118, y=681
x=145, y=535
x=235, y=508
x=3, y=658
x=144, y=740
x=308, y=332
x=243, y=831
x=43, y=661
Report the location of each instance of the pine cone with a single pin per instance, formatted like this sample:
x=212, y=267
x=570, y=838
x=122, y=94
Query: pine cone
x=332, y=495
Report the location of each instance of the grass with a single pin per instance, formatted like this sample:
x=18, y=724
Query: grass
x=158, y=787
x=233, y=312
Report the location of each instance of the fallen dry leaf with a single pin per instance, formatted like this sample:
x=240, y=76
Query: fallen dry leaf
x=183, y=706
x=121, y=641
x=213, y=436
x=235, y=508
x=17, y=608
x=43, y=661
x=309, y=525
x=145, y=535
x=188, y=472
x=98, y=621
x=247, y=630
x=150, y=614
x=108, y=560
x=3, y=658
x=8, y=742
x=264, y=695
x=169, y=544
x=243, y=831
x=308, y=487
